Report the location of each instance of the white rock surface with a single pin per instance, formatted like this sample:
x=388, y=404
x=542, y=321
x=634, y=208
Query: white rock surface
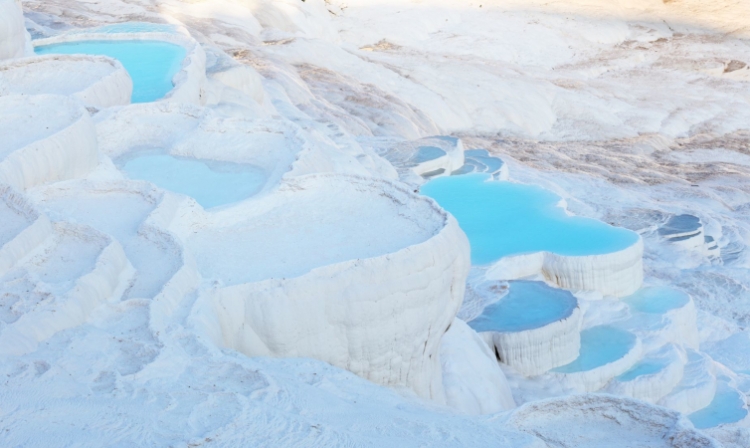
x=47, y=138
x=96, y=81
x=473, y=382
x=325, y=299
x=697, y=388
x=13, y=35
x=598, y=421
x=538, y=350
x=618, y=273
x=652, y=387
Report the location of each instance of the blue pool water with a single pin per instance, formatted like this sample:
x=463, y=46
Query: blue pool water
x=600, y=346
x=208, y=182
x=504, y=218
x=151, y=64
x=426, y=153
x=726, y=407
x=657, y=299
x=645, y=367
x=527, y=305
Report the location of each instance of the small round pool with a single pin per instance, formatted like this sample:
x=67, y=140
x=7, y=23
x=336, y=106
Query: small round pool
x=728, y=406
x=504, y=218
x=644, y=367
x=657, y=299
x=151, y=64
x=600, y=346
x=527, y=305
x=209, y=182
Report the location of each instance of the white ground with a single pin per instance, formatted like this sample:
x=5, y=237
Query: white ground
x=619, y=108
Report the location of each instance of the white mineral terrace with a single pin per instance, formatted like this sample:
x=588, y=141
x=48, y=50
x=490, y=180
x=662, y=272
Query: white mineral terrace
x=374, y=223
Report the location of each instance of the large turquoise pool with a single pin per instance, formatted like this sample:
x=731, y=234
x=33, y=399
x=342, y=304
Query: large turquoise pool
x=210, y=183
x=504, y=218
x=527, y=305
x=151, y=64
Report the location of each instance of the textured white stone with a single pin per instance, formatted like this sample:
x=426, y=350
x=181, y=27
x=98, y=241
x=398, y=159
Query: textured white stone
x=535, y=351
x=97, y=81
x=13, y=35
x=106, y=281
x=596, y=378
x=618, y=273
x=473, y=381
x=21, y=239
x=652, y=387
x=697, y=388
x=344, y=313
x=47, y=138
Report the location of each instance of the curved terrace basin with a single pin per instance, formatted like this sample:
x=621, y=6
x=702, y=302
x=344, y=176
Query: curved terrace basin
x=657, y=300
x=209, y=182
x=151, y=64
x=644, y=367
x=600, y=345
x=503, y=218
x=728, y=406
x=527, y=305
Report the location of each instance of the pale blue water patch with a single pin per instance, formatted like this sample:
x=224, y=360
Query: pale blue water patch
x=657, y=299
x=210, y=183
x=134, y=27
x=645, y=367
x=492, y=164
x=728, y=406
x=151, y=64
x=600, y=345
x=527, y=305
x=504, y=218
x=427, y=153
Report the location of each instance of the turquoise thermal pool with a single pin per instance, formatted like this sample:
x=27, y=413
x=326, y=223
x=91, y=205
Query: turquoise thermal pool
x=151, y=64
x=504, y=218
x=726, y=407
x=527, y=305
x=600, y=346
x=657, y=299
x=210, y=183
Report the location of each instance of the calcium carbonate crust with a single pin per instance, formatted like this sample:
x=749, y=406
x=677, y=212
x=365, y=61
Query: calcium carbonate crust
x=112, y=89
x=618, y=273
x=68, y=153
x=13, y=35
x=535, y=351
x=189, y=82
x=345, y=314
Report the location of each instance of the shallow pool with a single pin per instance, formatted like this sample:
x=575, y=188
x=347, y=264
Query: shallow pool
x=657, y=299
x=504, y=218
x=209, y=182
x=644, y=367
x=726, y=407
x=151, y=64
x=527, y=305
x=600, y=345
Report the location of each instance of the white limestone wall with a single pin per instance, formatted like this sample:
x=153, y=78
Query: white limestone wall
x=473, y=381
x=596, y=378
x=189, y=82
x=13, y=35
x=697, y=388
x=619, y=273
x=106, y=281
x=96, y=81
x=381, y=318
x=29, y=238
x=41, y=152
x=654, y=386
x=535, y=351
